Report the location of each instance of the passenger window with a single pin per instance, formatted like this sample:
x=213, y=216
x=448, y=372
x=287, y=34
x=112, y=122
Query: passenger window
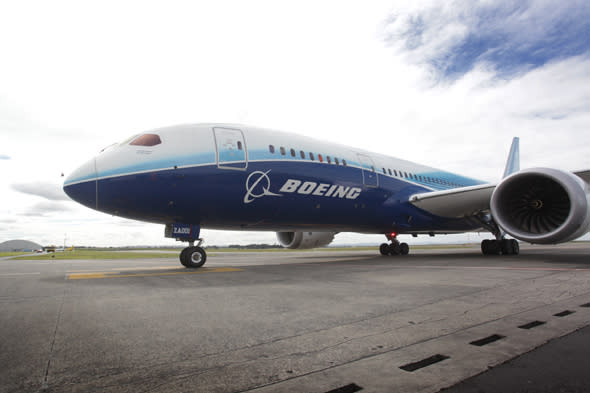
x=372, y=168
x=311, y=156
x=271, y=149
x=292, y=152
x=384, y=171
x=344, y=162
x=406, y=175
x=336, y=161
x=282, y=151
x=302, y=154
x=328, y=159
x=320, y=158
x=239, y=145
x=146, y=140
x=389, y=171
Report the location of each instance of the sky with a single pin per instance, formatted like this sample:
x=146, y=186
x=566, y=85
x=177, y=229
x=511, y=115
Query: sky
x=444, y=83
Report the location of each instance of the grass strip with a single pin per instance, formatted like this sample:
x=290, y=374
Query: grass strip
x=90, y=254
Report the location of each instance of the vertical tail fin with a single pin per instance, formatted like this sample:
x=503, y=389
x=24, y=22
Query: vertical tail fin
x=513, y=162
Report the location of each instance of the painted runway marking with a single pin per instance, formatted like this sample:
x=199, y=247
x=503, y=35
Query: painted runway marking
x=120, y=269
x=88, y=276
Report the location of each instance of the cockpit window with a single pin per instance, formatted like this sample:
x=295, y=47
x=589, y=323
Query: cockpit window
x=147, y=140
x=126, y=141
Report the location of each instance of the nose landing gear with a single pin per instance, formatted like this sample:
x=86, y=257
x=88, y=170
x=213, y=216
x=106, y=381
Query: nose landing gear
x=192, y=256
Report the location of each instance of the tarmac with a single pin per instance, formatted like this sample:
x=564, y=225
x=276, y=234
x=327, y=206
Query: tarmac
x=308, y=321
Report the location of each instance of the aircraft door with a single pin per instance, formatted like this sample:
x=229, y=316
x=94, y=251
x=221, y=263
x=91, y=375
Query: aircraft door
x=231, y=148
x=370, y=178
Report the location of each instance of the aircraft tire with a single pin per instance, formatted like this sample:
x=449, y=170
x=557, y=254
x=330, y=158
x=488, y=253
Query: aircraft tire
x=384, y=249
x=194, y=257
x=515, y=247
x=491, y=247
x=394, y=249
x=404, y=249
x=484, y=246
x=182, y=256
x=506, y=245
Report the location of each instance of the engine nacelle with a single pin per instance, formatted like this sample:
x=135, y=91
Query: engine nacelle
x=303, y=240
x=542, y=205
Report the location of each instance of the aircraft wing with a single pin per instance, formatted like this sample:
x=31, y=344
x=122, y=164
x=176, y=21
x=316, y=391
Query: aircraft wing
x=459, y=202
x=584, y=175
x=465, y=201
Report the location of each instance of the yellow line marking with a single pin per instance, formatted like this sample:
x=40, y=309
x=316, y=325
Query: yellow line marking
x=86, y=276
x=120, y=269
x=144, y=268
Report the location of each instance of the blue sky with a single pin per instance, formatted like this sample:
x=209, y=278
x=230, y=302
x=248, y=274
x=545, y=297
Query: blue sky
x=447, y=84
x=508, y=37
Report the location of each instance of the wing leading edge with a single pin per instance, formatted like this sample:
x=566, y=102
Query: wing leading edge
x=456, y=203
x=466, y=201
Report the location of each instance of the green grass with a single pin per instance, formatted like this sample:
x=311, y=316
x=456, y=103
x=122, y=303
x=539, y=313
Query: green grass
x=92, y=254
x=10, y=254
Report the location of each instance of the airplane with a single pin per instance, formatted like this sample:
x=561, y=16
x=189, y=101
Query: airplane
x=235, y=177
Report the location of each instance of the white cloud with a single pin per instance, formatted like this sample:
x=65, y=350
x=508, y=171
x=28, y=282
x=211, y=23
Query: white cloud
x=50, y=191
x=43, y=209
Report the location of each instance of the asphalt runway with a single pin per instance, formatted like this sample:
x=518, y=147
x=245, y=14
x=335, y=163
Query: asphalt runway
x=321, y=321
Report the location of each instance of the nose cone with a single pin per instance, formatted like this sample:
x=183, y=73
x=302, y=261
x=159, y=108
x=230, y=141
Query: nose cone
x=81, y=185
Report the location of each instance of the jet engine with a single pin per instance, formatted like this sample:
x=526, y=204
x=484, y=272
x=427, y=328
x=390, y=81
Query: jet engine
x=542, y=205
x=303, y=240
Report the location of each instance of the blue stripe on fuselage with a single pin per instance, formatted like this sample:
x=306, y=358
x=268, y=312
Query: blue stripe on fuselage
x=215, y=198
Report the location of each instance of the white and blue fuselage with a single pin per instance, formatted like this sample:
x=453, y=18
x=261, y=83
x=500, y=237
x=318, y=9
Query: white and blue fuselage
x=235, y=177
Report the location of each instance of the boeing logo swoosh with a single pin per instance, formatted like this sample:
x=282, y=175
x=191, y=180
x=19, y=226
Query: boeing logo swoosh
x=258, y=178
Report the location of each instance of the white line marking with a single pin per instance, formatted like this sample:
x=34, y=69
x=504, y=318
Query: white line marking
x=19, y=274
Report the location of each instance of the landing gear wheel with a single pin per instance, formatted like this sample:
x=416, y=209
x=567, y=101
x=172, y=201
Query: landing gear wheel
x=193, y=257
x=183, y=257
x=384, y=249
x=510, y=247
x=394, y=248
x=491, y=247
x=404, y=249
x=515, y=247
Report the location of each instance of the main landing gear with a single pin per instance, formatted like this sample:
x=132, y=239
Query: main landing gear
x=500, y=246
x=193, y=256
x=395, y=247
